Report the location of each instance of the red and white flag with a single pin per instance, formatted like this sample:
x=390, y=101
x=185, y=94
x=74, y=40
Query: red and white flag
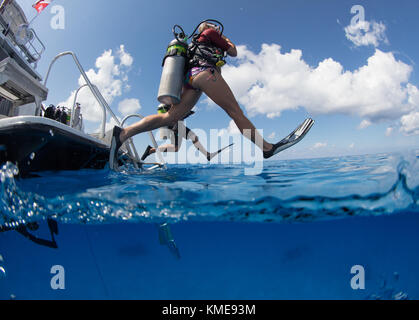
x=41, y=5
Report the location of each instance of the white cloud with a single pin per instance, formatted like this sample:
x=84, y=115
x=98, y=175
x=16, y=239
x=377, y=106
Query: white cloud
x=319, y=145
x=352, y=146
x=364, y=124
x=365, y=33
x=129, y=106
x=232, y=129
x=271, y=82
x=410, y=123
x=110, y=76
x=126, y=59
x=272, y=136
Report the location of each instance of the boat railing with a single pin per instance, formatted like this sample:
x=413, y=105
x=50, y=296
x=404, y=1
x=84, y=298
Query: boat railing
x=101, y=101
x=32, y=46
x=88, y=83
x=152, y=138
x=15, y=26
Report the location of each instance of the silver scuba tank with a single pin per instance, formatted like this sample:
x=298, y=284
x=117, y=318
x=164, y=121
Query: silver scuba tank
x=76, y=117
x=173, y=75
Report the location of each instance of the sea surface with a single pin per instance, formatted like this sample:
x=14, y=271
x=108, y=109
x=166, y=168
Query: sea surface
x=295, y=231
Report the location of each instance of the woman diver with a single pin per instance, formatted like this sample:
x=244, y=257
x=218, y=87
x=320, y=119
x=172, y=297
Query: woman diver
x=204, y=75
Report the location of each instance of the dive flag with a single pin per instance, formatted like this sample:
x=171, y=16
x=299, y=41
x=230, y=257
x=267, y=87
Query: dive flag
x=41, y=5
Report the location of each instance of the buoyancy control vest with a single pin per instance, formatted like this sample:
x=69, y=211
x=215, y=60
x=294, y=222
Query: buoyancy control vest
x=203, y=54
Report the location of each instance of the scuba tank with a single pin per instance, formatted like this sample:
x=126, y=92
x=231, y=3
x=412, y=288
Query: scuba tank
x=77, y=117
x=173, y=75
x=50, y=112
x=58, y=114
x=68, y=117
x=176, y=62
x=63, y=117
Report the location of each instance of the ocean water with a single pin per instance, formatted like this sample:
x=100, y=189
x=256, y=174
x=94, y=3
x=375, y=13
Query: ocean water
x=295, y=231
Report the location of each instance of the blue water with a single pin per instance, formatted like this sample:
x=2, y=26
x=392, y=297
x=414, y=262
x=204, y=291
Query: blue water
x=292, y=232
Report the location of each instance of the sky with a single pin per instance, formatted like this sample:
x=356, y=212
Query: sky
x=350, y=65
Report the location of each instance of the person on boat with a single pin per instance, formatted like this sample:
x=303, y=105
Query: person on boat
x=177, y=133
x=205, y=76
x=24, y=229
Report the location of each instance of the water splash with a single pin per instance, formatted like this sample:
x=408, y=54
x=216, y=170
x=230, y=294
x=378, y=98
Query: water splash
x=18, y=207
x=286, y=191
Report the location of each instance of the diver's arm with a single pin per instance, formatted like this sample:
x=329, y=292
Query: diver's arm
x=232, y=51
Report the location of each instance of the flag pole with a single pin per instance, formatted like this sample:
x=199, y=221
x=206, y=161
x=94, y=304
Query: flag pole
x=33, y=19
x=38, y=12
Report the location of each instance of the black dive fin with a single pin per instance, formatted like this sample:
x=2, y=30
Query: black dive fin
x=214, y=154
x=295, y=137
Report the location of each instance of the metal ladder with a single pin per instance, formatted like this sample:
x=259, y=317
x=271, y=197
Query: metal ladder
x=132, y=151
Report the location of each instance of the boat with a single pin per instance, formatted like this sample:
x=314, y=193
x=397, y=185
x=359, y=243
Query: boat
x=28, y=138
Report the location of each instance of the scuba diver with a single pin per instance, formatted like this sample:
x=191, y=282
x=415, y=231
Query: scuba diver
x=177, y=133
x=24, y=229
x=202, y=61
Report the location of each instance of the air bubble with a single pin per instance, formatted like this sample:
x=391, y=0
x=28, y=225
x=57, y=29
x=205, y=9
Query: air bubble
x=32, y=156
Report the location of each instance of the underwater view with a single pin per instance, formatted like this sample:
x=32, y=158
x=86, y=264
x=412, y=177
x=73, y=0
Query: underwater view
x=295, y=231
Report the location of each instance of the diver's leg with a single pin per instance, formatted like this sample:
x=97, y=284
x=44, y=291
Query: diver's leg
x=215, y=87
x=168, y=148
x=174, y=146
x=197, y=144
x=195, y=140
x=163, y=149
x=186, y=133
x=189, y=98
